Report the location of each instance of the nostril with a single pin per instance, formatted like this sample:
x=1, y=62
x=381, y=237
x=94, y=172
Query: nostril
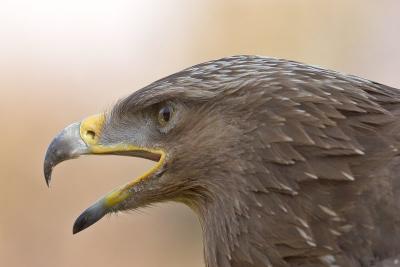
x=91, y=134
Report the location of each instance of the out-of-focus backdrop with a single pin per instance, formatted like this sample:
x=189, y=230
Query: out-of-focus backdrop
x=63, y=60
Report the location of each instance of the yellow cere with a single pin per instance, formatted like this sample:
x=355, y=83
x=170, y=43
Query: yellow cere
x=90, y=131
x=91, y=127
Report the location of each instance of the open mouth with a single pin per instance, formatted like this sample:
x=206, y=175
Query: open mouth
x=120, y=194
x=83, y=139
x=145, y=154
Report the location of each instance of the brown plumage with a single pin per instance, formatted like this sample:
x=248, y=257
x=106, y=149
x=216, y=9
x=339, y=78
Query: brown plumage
x=285, y=164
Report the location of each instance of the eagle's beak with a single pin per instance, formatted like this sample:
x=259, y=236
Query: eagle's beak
x=75, y=140
x=84, y=138
x=66, y=145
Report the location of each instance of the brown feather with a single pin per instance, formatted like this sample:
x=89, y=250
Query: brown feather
x=291, y=165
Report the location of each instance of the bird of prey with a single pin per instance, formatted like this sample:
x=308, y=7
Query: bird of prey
x=285, y=164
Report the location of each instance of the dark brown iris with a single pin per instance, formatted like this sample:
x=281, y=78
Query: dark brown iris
x=164, y=115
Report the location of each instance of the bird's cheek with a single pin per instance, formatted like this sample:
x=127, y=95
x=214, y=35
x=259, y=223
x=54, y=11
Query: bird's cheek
x=161, y=188
x=144, y=193
x=136, y=200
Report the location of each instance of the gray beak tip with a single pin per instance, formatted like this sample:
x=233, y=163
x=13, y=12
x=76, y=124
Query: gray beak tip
x=66, y=145
x=47, y=171
x=89, y=217
x=80, y=224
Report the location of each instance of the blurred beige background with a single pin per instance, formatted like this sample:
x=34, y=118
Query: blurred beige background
x=63, y=60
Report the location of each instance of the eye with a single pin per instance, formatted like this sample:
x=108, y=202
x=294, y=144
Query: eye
x=164, y=115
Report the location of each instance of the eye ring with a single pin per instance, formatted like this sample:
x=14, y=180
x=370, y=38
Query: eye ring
x=164, y=115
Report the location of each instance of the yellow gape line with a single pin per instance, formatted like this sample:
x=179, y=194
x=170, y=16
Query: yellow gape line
x=90, y=131
x=118, y=195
